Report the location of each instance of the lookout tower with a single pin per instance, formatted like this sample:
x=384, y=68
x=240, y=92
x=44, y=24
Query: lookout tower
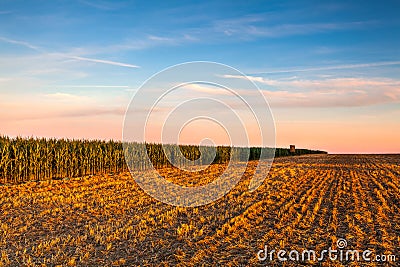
x=292, y=149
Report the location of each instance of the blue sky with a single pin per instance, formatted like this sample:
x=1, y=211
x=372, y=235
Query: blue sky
x=68, y=65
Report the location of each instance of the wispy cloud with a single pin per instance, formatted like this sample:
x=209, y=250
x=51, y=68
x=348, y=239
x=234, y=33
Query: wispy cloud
x=4, y=79
x=337, y=92
x=160, y=38
x=148, y=41
x=102, y=5
x=66, y=55
x=95, y=112
x=336, y=67
x=321, y=84
x=58, y=114
x=57, y=105
x=20, y=43
x=102, y=61
x=95, y=86
x=260, y=25
x=209, y=90
x=65, y=97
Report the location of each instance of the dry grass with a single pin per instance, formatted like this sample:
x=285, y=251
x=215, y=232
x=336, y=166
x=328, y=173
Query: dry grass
x=305, y=202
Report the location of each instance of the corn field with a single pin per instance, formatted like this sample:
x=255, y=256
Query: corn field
x=41, y=159
x=25, y=159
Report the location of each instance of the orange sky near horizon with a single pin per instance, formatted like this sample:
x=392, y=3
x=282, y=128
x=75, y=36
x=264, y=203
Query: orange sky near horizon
x=333, y=137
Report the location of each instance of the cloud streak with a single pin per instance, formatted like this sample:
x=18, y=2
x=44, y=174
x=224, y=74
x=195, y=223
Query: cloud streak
x=96, y=86
x=96, y=5
x=108, y=62
x=20, y=43
x=336, y=67
x=56, y=106
x=204, y=89
x=257, y=26
x=338, y=92
x=65, y=97
x=64, y=55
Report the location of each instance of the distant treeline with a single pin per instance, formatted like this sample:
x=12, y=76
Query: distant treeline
x=23, y=159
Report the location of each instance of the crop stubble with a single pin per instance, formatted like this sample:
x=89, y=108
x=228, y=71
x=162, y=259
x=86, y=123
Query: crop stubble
x=306, y=202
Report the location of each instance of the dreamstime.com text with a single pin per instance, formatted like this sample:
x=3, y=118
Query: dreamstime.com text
x=341, y=253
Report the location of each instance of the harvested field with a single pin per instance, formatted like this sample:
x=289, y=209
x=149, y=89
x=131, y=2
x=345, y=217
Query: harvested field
x=306, y=202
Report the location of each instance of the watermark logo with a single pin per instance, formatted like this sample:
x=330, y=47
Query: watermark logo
x=342, y=253
x=341, y=243
x=205, y=104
